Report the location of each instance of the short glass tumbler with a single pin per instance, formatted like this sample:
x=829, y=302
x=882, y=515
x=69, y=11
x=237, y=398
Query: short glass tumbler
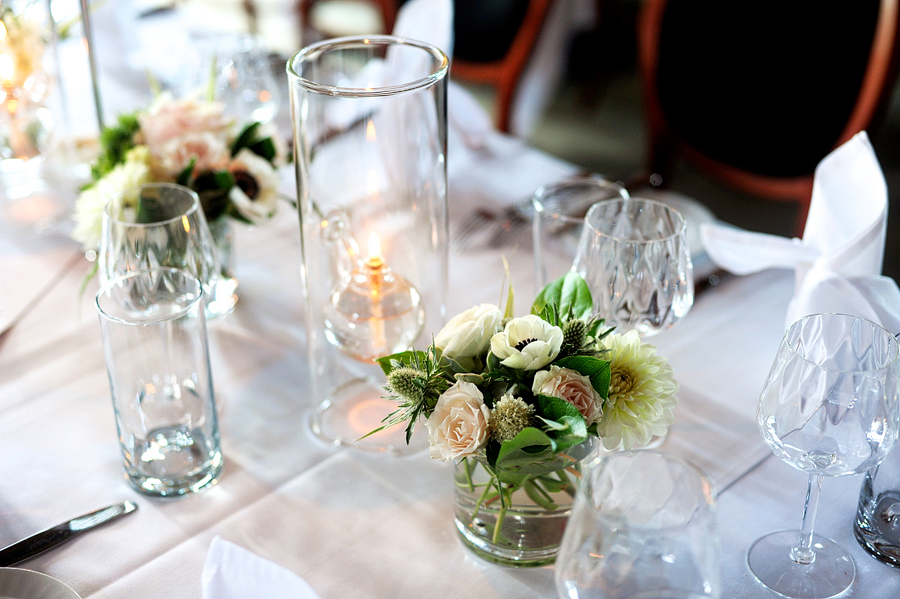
x=558, y=224
x=877, y=525
x=157, y=358
x=637, y=263
x=643, y=526
x=160, y=225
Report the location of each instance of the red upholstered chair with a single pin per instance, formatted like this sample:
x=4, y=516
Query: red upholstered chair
x=756, y=92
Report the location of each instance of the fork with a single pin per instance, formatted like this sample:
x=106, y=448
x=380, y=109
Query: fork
x=507, y=221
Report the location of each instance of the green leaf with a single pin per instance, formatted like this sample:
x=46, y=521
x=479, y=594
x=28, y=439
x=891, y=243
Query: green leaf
x=594, y=368
x=245, y=139
x=264, y=148
x=565, y=423
x=570, y=294
x=184, y=177
x=405, y=358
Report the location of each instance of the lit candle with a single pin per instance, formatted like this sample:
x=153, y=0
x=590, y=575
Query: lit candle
x=376, y=268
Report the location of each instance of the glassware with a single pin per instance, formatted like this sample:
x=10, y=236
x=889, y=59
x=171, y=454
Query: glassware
x=154, y=338
x=369, y=117
x=829, y=408
x=161, y=224
x=237, y=72
x=517, y=531
x=558, y=224
x=636, y=261
x=643, y=525
x=877, y=525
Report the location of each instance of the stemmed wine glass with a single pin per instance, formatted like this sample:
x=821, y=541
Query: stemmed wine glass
x=829, y=408
x=637, y=263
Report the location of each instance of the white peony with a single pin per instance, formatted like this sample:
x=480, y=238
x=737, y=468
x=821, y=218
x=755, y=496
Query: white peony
x=468, y=334
x=255, y=194
x=527, y=343
x=571, y=386
x=641, y=393
x=89, y=206
x=458, y=426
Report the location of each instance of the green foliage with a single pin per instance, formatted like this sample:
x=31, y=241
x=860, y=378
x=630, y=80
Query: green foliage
x=571, y=296
x=115, y=143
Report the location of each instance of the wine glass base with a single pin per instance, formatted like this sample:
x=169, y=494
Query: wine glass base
x=830, y=574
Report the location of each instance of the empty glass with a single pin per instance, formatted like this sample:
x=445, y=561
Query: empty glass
x=643, y=525
x=558, y=222
x=829, y=408
x=636, y=261
x=160, y=224
x=154, y=338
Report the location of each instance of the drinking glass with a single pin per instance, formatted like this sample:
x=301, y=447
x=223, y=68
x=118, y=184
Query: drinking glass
x=157, y=357
x=643, y=525
x=635, y=258
x=828, y=408
x=236, y=69
x=370, y=144
x=160, y=224
x=558, y=224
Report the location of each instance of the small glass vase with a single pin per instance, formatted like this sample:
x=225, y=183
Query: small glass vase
x=523, y=524
x=225, y=296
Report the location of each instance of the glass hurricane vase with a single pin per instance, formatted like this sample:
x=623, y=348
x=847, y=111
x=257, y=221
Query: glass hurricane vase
x=519, y=519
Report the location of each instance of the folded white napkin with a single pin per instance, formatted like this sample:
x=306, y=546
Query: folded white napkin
x=838, y=262
x=232, y=572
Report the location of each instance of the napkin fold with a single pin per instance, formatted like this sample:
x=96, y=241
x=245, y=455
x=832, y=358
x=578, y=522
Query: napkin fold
x=838, y=262
x=232, y=572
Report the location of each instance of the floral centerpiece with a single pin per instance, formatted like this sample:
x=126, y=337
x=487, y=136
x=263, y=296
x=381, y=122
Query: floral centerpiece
x=190, y=142
x=517, y=403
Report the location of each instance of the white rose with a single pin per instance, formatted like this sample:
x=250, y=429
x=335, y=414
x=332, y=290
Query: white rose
x=571, y=386
x=168, y=118
x=527, y=343
x=469, y=333
x=255, y=194
x=458, y=426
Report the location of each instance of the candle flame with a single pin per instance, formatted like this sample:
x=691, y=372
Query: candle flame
x=6, y=67
x=370, y=131
x=374, y=247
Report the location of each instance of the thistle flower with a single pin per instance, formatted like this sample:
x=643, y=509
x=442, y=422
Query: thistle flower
x=641, y=393
x=509, y=416
x=408, y=383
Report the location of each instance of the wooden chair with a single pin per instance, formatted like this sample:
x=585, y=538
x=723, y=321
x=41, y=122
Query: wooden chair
x=755, y=97
x=501, y=72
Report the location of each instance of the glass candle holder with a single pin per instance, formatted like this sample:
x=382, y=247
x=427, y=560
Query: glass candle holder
x=369, y=117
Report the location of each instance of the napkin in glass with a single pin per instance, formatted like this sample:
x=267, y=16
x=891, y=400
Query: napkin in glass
x=232, y=572
x=838, y=262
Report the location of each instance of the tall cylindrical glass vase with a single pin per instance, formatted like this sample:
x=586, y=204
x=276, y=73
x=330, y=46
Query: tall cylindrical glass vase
x=369, y=117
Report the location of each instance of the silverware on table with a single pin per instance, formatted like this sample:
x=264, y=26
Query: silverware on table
x=59, y=534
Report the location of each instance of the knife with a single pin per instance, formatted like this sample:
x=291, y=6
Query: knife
x=59, y=534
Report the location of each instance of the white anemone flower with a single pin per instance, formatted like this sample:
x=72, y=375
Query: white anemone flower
x=255, y=194
x=641, y=393
x=527, y=343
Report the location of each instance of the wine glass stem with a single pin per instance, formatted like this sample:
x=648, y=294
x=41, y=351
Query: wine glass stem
x=803, y=552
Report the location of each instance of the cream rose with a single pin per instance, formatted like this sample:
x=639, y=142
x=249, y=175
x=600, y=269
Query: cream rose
x=527, y=343
x=168, y=118
x=458, y=426
x=209, y=153
x=255, y=194
x=468, y=334
x=571, y=386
